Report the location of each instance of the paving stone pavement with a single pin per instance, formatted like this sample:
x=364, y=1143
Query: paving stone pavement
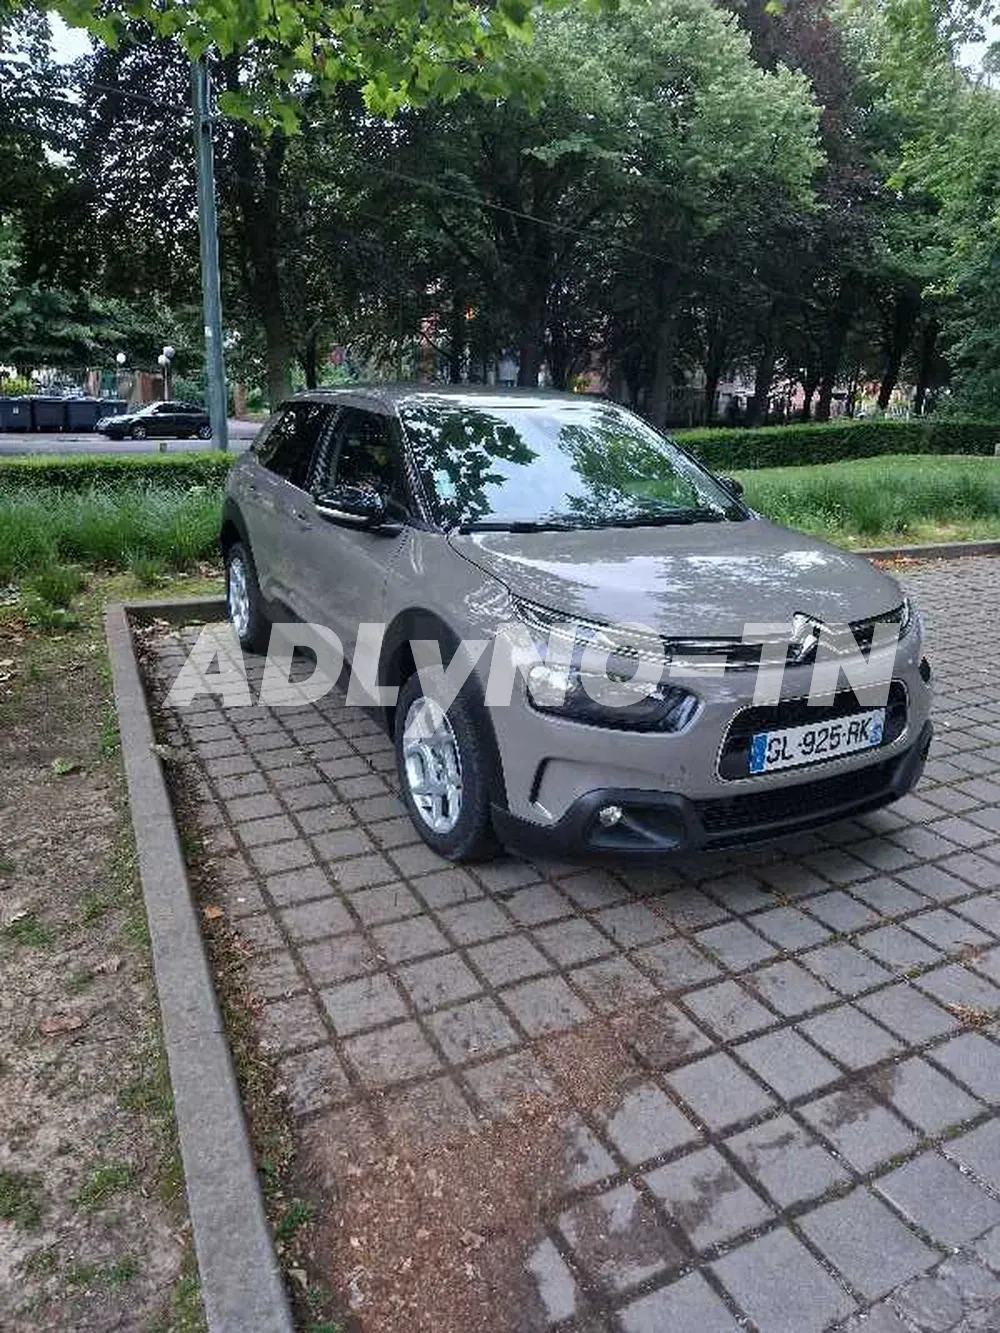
x=803, y=1133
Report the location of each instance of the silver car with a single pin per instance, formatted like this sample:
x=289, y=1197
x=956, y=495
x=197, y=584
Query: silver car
x=579, y=638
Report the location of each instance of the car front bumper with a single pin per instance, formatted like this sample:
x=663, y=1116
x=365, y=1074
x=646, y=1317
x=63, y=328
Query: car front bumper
x=655, y=823
x=553, y=766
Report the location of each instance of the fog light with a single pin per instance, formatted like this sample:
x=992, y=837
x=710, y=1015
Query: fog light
x=609, y=815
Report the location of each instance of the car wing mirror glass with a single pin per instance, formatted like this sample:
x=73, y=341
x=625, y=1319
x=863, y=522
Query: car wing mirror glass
x=354, y=506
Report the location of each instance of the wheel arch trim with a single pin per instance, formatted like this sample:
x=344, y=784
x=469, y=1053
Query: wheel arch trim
x=422, y=623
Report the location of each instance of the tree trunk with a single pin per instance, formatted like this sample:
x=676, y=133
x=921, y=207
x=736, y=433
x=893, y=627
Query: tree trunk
x=712, y=376
x=827, y=384
x=456, y=340
x=906, y=307
x=255, y=186
x=715, y=360
x=534, y=305
x=560, y=360
x=309, y=360
x=279, y=356
x=530, y=363
x=809, y=386
x=928, y=353
x=763, y=379
x=840, y=327
x=663, y=373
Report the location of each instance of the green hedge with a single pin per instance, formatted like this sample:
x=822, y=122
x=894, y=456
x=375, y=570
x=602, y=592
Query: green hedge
x=792, y=446
x=78, y=472
x=722, y=450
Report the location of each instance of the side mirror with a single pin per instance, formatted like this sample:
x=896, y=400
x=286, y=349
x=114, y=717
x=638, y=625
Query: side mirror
x=353, y=506
x=731, y=484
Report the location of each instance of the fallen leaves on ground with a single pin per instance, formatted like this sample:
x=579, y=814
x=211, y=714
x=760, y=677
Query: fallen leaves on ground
x=970, y=1016
x=54, y=1025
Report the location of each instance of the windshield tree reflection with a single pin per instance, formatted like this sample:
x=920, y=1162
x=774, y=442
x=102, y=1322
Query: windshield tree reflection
x=554, y=464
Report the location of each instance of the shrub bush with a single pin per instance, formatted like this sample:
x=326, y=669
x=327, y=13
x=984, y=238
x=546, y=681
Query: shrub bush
x=792, y=446
x=84, y=471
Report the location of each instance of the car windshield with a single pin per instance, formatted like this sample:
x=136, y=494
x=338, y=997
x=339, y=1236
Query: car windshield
x=554, y=464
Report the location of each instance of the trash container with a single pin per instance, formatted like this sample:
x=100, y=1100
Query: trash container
x=48, y=414
x=83, y=413
x=15, y=414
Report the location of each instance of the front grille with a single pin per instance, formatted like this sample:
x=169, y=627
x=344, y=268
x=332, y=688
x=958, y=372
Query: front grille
x=790, y=805
x=734, y=760
x=737, y=655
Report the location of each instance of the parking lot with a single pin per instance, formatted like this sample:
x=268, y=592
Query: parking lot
x=749, y=1090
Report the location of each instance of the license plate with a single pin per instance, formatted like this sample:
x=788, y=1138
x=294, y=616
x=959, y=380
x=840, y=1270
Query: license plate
x=795, y=746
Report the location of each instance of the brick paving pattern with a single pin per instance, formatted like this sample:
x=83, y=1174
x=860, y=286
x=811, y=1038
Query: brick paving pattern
x=806, y=1137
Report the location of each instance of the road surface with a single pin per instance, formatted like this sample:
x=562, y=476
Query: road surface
x=241, y=435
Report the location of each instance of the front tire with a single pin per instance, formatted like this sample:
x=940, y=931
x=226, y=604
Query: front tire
x=204, y=432
x=244, y=604
x=442, y=775
x=138, y=432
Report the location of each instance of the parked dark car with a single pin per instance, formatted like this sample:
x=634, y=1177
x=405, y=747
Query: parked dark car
x=177, y=421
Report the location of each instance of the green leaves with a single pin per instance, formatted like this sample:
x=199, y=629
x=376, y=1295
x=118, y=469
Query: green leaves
x=400, y=52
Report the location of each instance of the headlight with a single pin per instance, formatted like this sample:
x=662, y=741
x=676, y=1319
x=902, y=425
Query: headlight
x=908, y=616
x=604, y=676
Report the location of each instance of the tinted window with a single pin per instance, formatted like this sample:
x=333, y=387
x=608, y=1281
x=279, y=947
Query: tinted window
x=578, y=464
x=365, y=452
x=288, y=445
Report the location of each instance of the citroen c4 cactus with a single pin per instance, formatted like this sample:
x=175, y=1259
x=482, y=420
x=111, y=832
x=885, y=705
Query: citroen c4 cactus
x=579, y=638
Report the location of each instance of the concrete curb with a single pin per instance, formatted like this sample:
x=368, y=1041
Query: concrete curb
x=177, y=610
x=934, y=551
x=241, y=1281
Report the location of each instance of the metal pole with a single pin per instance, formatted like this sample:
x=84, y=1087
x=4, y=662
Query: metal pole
x=208, y=230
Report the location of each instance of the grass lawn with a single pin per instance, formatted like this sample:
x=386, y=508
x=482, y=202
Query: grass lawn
x=895, y=499
x=155, y=531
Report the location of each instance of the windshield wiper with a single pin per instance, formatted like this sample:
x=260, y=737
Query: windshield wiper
x=702, y=514
x=519, y=525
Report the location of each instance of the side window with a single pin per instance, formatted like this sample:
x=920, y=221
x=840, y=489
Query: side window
x=365, y=452
x=288, y=447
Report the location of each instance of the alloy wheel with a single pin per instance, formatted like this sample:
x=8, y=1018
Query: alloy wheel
x=238, y=596
x=432, y=766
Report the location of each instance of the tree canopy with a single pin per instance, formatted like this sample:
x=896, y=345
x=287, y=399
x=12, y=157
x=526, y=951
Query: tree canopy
x=663, y=195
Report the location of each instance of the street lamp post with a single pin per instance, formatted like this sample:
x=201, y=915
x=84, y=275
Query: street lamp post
x=163, y=361
x=208, y=230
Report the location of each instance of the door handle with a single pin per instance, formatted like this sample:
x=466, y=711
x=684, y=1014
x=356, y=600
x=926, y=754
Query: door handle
x=302, y=518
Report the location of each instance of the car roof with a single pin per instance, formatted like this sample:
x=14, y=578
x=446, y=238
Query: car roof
x=463, y=395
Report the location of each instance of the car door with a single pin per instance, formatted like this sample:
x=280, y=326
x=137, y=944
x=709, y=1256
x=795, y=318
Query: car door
x=187, y=418
x=347, y=565
x=163, y=420
x=275, y=502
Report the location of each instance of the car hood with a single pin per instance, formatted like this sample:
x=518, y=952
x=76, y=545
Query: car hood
x=700, y=580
